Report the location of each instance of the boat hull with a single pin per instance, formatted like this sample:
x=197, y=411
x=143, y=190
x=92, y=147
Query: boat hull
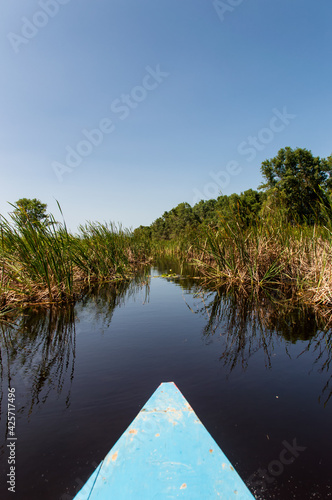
x=165, y=453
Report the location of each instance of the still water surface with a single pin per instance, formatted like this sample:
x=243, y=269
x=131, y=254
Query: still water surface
x=255, y=371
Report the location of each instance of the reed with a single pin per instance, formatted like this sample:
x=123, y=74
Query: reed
x=46, y=263
x=99, y=251
x=272, y=252
x=34, y=259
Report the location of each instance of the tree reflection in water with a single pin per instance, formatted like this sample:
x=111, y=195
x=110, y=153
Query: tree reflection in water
x=37, y=346
x=249, y=323
x=321, y=345
x=38, y=351
x=102, y=300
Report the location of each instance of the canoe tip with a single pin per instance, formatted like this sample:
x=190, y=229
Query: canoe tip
x=167, y=383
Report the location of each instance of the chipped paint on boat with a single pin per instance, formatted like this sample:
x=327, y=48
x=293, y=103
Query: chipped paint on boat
x=165, y=453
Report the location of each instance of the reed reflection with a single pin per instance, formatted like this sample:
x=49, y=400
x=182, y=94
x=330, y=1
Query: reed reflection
x=38, y=346
x=321, y=346
x=102, y=300
x=249, y=323
x=38, y=353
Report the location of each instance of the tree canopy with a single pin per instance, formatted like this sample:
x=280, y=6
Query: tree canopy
x=299, y=182
x=32, y=210
x=185, y=219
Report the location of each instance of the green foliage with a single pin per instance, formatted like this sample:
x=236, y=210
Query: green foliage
x=298, y=182
x=31, y=210
x=143, y=232
x=280, y=234
x=184, y=221
x=179, y=220
x=205, y=210
x=233, y=253
x=35, y=257
x=100, y=250
x=45, y=263
x=244, y=207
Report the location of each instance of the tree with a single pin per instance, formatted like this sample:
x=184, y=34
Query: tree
x=178, y=220
x=143, y=232
x=31, y=210
x=248, y=206
x=298, y=182
x=205, y=210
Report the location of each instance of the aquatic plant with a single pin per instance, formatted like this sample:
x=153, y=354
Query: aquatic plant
x=46, y=263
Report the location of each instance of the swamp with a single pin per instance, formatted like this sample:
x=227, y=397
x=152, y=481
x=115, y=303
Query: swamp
x=255, y=368
x=235, y=308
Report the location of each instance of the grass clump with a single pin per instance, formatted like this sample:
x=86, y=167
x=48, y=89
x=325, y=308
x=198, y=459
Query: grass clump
x=271, y=252
x=45, y=263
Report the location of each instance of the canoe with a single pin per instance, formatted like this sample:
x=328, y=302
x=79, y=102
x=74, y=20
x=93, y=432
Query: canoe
x=165, y=453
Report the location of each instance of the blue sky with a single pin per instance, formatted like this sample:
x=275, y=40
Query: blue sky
x=122, y=109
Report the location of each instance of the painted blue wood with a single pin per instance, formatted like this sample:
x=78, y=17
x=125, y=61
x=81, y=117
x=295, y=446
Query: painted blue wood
x=165, y=453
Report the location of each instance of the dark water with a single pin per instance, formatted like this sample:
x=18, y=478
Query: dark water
x=255, y=370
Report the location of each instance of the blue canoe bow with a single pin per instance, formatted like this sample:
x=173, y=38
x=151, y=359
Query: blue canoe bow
x=165, y=453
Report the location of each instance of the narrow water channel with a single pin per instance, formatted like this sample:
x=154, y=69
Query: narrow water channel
x=257, y=372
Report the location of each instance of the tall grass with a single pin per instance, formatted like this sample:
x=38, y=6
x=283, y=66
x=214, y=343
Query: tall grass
x=46, y=263
x=272, y=252
x=245, y=256
x=99, y=251
x=34, y=259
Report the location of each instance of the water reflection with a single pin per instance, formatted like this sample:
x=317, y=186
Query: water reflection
x=252, y=322
x=102, y=300
x=38, y=353
x=38, y=346
x=249, y=323
x=321, y=345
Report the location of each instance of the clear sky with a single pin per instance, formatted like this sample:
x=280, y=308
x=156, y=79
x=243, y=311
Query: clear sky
x=121, y=109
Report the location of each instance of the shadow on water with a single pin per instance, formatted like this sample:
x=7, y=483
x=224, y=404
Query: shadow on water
x=252, y=322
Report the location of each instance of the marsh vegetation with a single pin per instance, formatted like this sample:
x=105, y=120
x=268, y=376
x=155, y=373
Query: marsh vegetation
x=278, y=236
